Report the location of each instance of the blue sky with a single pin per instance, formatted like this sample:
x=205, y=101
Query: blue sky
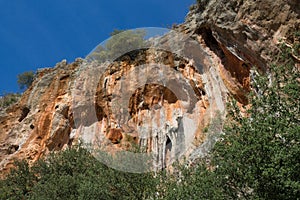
x=39, y=33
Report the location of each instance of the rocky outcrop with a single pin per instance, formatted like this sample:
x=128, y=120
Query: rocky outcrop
x=41, y=121
x=152, y=98
x=243, y=34
x=162, y=110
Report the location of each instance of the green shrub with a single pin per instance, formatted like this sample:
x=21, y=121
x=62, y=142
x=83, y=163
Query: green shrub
x=9, y=99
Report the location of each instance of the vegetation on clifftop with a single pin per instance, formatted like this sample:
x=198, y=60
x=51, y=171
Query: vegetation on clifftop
x=25, y=79
x=8, y=99
x=120, y=42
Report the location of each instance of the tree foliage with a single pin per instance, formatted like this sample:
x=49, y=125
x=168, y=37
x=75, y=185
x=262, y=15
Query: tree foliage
x=116, y=31
x=120, y=42
x=25, y=79
x=190, y=182
x=74, y=174
x=258, y=157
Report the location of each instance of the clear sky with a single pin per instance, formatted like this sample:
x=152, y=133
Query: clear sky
x=39, y=33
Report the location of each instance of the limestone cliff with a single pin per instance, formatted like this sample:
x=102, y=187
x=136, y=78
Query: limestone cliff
x=243, y=34
x=235, y=37
x=41, y=120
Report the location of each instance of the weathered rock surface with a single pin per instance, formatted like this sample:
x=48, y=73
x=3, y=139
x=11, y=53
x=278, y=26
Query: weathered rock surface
x=41, y=121
x=243, y=35
x=235, y=37
x=149, y=98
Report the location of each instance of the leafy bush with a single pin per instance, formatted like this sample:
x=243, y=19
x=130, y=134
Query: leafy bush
x=8, y=99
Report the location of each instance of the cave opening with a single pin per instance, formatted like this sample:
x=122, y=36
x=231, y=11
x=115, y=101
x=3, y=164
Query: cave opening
x=25, y=112
x=168, y=147
x=239, y=71
x=211, y=41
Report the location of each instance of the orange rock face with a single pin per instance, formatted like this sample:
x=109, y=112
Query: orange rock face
x=133, y=103
x=151, y=98
x=41, y=121
x=147, y=114
x=115, y=135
